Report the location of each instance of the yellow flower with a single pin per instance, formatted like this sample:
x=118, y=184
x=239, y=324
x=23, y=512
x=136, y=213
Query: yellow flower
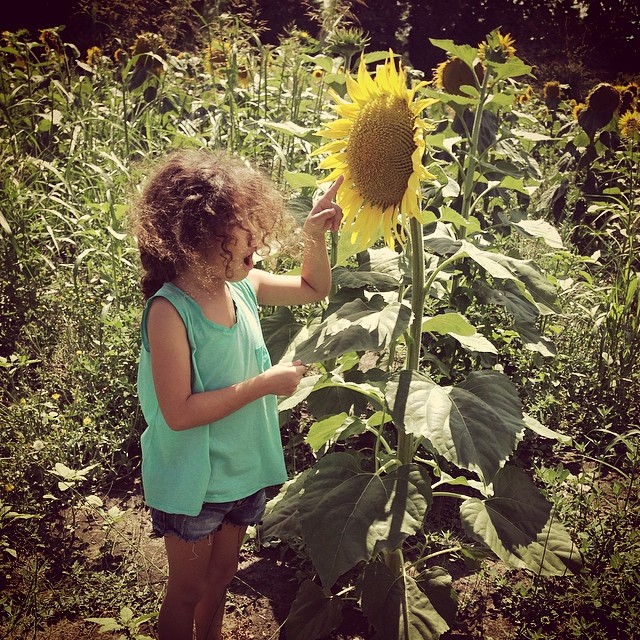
x=215, y=55
x=452, y=74
x=629, y=125
x=244, y=78
x=87, y=421
x=377, y=143
x=120, y=56
x=317, y=73
x=627, y=99
x=578, y=107
x=50, y=39
x=55, y=396
x=93, y=56
x=551, y=89
x=526, y=94
x=497, y=48
x=150, y=43
x=603, y=98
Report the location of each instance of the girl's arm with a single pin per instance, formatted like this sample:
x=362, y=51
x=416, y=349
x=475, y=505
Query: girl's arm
x=314, y=282
x=171, y=370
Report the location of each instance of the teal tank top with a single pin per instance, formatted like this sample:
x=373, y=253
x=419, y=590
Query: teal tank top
x=225, y=460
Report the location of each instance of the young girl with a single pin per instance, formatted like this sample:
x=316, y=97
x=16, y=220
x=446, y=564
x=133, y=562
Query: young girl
x=206, y=384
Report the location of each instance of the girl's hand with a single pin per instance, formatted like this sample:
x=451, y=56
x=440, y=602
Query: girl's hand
x=283, y=379
x=326, y=215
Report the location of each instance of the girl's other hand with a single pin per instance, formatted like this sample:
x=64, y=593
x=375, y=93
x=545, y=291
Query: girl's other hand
x=283, y=379
x=326, y=215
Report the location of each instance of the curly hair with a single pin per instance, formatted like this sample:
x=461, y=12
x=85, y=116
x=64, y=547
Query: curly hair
x=194, y=198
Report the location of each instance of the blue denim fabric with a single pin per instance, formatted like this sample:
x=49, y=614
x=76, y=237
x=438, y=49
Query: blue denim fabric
x=242, y=513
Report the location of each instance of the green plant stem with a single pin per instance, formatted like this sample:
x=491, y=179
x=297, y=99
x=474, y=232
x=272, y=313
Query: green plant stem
x=405, y=440
x=467, y=189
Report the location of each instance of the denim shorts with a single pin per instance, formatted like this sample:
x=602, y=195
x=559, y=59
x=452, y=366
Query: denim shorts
x=242, y=513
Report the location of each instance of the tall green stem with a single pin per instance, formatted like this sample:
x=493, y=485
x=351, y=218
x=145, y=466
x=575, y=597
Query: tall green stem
x=405, y=440
x=467, y=188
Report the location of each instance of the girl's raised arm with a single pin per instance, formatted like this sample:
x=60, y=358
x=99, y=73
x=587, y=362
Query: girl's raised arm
x=314, y=282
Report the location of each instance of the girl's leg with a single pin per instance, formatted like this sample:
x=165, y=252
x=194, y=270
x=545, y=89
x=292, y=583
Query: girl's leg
x=223, y=564
x=188, y=567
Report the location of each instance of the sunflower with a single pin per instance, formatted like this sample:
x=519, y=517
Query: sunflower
x=244, y=77
x=629, y=125
x=150, y=43
x=94, y=55
x=378, y=145
x=525, y=94
x=577, y=108
x=120, y=56
x=453, y=73
x=552, y=93
x=497, y=48
x=627, y=99
x=603, y=98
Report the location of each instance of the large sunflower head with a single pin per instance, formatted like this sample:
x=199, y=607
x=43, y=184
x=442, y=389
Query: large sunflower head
x=377, y=143
x=497, y=48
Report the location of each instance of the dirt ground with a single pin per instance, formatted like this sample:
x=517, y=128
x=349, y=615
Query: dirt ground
x=260, y=596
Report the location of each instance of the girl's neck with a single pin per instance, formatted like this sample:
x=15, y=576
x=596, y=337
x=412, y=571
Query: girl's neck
x=199, y=285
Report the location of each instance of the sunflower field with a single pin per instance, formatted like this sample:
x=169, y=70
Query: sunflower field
x=463, y=454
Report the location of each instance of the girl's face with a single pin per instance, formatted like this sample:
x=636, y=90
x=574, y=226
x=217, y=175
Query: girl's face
x=242, y=246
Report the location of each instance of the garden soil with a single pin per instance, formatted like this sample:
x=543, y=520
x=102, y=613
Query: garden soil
x=260, y=596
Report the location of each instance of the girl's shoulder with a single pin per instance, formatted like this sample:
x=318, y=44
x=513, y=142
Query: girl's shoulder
x=245, y=289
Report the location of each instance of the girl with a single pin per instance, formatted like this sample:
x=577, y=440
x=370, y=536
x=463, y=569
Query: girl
x=206, y=385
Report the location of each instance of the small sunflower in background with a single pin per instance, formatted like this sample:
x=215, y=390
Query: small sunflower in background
x=120, y=56
x=627, y=98
x=453, y=73
x=629, y=126
x=244, y=77
x=150, y=43
x=577, y=108
x=94, y=56
x=526, y=94
x=497, y=48
x=377, y=143
x=552, y=94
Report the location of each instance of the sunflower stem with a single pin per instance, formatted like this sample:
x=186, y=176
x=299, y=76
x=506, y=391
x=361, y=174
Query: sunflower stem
x=405, y=440
x=473, y=151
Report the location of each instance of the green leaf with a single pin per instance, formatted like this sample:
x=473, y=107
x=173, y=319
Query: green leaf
x=540, y=229
x=343, y=277
x=476, y=425
x=521, y=527
x=298, y=180
x=544, y=431
x=533, y=340
x=387, y=598
x=325, y=430
x=356, y=326
x=288, y=127
x=279, y=329
x=281, y=520
x=465, y=52
x=476, y=343
x=312, y=615
x=445, y=323
x=349, y=515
